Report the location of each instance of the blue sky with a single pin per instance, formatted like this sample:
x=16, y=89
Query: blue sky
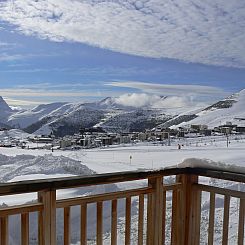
x=47, y=57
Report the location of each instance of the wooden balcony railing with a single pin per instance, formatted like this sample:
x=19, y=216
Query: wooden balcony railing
x=154, y=226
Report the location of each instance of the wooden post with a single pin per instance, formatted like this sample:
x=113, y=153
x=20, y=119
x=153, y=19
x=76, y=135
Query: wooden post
x=48, y=233
x=190, y=199
x=156, y=212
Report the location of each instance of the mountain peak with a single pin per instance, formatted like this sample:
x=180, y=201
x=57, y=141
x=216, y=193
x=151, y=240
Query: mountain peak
x=4, y=106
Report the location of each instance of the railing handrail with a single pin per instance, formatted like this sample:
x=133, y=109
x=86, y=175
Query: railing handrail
x=110, y=178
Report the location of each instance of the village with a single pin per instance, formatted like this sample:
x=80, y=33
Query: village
x=88, y=138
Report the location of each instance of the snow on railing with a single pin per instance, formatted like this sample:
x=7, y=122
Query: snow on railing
x=167, y=211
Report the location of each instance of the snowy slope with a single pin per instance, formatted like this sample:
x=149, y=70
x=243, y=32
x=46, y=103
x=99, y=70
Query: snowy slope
x=14, y=134
x=231, y=109
x=24, y=119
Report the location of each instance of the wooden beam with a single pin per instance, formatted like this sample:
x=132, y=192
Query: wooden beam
x=102, y=197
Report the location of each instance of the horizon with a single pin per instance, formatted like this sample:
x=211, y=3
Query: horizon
x=58, y=52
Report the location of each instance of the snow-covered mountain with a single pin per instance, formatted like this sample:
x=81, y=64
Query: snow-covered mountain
x=5, y=110
x=230, y=109
x=124, y=114
x=66, y=118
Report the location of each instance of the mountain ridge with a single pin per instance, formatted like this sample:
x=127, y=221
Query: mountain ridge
x=66, y=118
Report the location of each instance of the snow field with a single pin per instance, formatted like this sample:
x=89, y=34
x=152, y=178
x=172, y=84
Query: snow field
x=18, y=164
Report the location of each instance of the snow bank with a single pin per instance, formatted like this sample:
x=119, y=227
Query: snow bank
x=14, y=134
x=206, y=163
x=21, y=165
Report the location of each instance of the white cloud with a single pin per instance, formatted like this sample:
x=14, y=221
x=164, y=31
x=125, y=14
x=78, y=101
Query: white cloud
x=153, y=101
x=210, y=31
x=22, y=103
x=171, y=90
x=8, y=57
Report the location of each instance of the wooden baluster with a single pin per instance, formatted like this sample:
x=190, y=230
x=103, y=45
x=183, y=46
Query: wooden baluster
x=226, y=220
x=99, y=223
x=241, y=222
x=175, y=216
x=128, y=221
x=164, y=217
x=67, y=225
x=196, y=216
x=4, y=240
x=149, y=220
x=25, y=229
x=83, y=224
x=211, y=218
x=114, y=222
x=141, y=220
x=40, y=228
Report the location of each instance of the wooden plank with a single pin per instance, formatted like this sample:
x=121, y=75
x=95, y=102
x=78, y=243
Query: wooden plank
x=79, y=181
x=164, y=217
x=226, y=220
x=150, y=224
x=180, y=219
x=241, y=222
x=25, y=229
x=172, y=187
x=157, y=208
x=102, y=197
x=128, y=221
x=221, y=191
x=21, y=209
x=40, y=228
x=141, y=219
x=114, y=222
x=83, y=233
x=211, y=218
x=61, y=183
x=196, y=215
x=67, y=225
x=99, y=237
x=4, y=239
